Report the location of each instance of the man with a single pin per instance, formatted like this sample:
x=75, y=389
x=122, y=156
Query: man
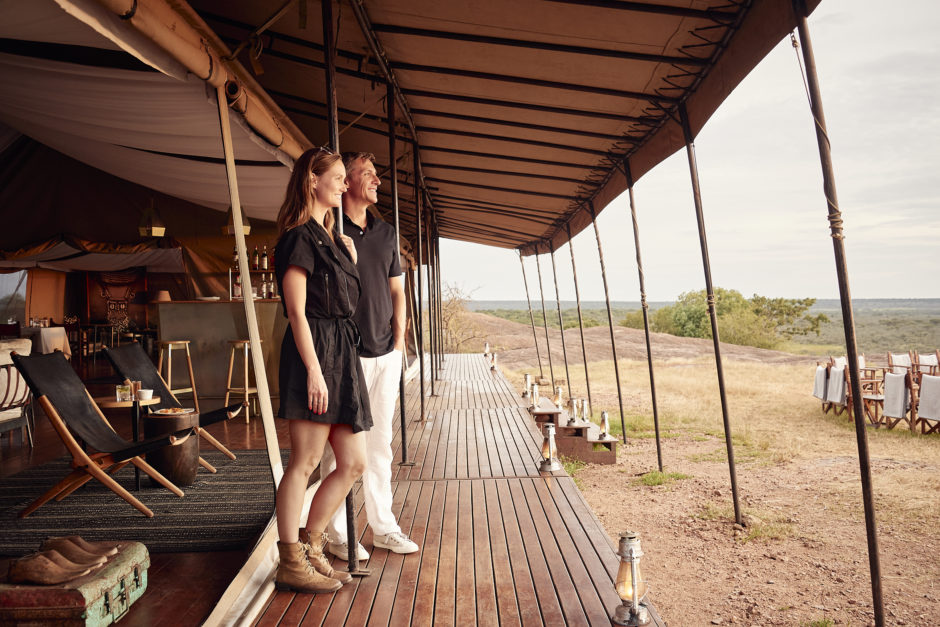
x=380, y=317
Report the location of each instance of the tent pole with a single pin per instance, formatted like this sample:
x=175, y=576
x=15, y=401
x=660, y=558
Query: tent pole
x=254, y=336
x=577, y=296
x=329, y=50
x=561, y=325
x=419, y=316
x=432, y=328
x=712, y=314
x=548, y=344
x=393, y=174
x=440, y=291
x=610, y=321
x=645, y=306
x=528, y=301
x=848, y=317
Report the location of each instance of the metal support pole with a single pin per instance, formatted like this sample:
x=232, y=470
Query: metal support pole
x=329, y=49
x=712, y=314
x=848, y=317
x=420, y=309
x=610, y=321
x=432, y=330
x=643, y=304
x=561, y=324
x=577, y=295
x=329, y=58
x=535, y=337
x=393, y=175
x=440, y=295
x=548, y=344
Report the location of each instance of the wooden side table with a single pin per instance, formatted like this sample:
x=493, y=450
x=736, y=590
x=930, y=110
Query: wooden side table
x=109, y=402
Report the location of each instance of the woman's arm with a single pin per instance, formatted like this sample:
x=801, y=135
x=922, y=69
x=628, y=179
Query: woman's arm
x=294, y=286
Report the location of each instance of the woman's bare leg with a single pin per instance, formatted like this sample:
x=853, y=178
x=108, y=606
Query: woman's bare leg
x=350, y=451
x=306, y=442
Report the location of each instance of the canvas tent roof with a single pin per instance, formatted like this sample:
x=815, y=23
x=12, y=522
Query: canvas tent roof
x=523, y=111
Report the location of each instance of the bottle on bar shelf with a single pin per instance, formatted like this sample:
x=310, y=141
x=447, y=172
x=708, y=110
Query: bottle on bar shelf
x=237, y=289
x=264, y=258
x=255, y=259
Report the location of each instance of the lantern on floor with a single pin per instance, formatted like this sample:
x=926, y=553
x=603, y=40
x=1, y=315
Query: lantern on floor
x=559, y=400
x=631, y=588
x=605, y=425
x=493, y=362
x=573, y=410
x=535, y=395
x=549, y=461
x=528, y=386
x=486, y=348
x=585, y=410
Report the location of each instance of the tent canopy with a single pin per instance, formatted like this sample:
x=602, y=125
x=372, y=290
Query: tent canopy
x=523, y=113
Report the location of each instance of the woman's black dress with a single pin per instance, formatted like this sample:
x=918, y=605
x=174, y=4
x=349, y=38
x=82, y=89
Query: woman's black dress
x=332, y=295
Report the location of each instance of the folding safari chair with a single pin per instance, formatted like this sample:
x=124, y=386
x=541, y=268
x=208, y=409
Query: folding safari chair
x=899, y=399
x=836, y=386
x=926, y=413
x=821, y=383
x=927, y=362
x=70, y=408
x=898, y=363
x=132, y=363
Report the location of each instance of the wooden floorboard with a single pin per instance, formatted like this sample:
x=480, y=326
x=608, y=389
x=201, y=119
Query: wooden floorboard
x=501, y=544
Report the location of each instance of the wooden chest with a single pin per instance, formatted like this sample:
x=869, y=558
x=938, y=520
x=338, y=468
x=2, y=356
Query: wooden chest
x=101, y=597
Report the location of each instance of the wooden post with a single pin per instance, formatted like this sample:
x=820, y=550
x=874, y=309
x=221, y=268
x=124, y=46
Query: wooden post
x=577, y=295
x=712, y=314
x=420, y=309
x=645, y=307
x=548, y=344
x=561, y=324
x=848, y=316
x=535, y=337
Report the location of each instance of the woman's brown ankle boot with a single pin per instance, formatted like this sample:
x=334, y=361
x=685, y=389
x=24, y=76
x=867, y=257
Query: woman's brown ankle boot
x=314, y=546
x=294, y=571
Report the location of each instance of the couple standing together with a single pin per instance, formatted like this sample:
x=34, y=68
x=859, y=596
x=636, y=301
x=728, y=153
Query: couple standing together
x=340, y=364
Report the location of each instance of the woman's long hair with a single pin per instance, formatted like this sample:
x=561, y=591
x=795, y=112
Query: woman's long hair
x=299, y=194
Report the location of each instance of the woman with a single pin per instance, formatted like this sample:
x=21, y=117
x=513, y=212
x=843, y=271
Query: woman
x=321, y=382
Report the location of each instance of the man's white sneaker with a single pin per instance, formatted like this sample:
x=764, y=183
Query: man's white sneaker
x=341, y=550
x=396, y=542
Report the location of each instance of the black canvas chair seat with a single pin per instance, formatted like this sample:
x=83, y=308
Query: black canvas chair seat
x=73, y=412
x=131, y=363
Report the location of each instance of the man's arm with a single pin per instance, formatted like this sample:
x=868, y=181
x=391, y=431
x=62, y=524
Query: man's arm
x=396, y=286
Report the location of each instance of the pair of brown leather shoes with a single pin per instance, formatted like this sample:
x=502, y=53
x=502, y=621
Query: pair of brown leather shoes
x=60, y=560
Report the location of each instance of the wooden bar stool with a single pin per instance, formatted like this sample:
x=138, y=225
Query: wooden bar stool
x=244, y=346
x=166, y=348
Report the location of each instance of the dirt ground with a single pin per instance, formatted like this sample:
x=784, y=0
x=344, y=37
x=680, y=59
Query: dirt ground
x=802, y=558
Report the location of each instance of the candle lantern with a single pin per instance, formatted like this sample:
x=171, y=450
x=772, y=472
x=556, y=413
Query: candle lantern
x=493, y=362
x=605, y=425
x=559, y=400
x=549, y=461
x=535, y=395
x=631, y=588
x=528, y=386
x=585, y=410
x=486, y=348
x=573, y=410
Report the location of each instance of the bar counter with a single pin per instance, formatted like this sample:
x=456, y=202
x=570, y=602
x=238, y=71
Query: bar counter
x=209, y=325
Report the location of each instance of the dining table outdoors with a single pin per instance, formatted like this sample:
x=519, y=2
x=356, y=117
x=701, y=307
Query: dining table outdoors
x=48, y=339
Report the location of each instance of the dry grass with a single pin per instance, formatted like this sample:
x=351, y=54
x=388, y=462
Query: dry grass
x=773, y=417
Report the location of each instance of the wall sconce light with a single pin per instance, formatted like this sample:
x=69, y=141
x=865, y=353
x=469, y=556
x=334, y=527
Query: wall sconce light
x=493, y=362
x=528, y=385
x=229, y=228
x=631, y=588
x=605, y=426
x=150, y=223
x=549, y=461
x=535, y=395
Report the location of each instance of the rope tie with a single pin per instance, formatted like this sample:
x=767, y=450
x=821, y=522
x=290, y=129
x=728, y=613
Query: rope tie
x=835, y=220
x=710, y=301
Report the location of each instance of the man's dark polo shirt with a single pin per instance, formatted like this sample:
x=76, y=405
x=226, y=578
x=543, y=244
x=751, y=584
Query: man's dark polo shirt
x=377, y=247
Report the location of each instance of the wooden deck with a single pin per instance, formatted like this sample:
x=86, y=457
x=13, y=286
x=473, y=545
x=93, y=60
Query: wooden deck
x=500, y=543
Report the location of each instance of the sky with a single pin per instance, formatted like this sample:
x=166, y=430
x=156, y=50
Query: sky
x=765, y=212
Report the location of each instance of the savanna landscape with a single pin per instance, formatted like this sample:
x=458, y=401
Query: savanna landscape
x=801, y=559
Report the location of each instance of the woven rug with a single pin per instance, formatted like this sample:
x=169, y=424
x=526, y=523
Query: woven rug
x=221, y=511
